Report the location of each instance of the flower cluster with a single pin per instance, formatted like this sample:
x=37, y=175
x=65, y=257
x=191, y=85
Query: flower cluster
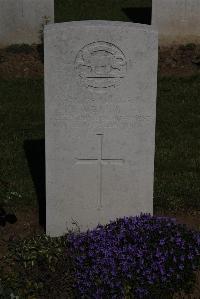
x=143, y=256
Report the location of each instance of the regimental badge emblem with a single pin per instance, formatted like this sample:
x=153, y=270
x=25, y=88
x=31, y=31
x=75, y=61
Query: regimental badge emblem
x=100, y=65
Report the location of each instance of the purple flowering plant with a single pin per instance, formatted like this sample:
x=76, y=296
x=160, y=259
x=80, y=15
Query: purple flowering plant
x=135, y=257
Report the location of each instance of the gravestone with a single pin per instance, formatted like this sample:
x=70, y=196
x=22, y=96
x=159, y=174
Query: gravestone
x=100, y=111
x=22, y=20
x=177, y=21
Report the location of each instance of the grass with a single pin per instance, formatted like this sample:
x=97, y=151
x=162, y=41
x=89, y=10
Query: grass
x=177, y=160
x=70, y=10
x=22, y=118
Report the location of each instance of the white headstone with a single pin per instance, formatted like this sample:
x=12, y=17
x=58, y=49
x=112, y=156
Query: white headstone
x=177, y=21
x=100, y=111
x=22, y=20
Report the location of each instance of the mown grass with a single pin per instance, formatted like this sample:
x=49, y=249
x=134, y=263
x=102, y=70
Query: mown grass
x=21, y=119
x=177, y=159
x=70, y=10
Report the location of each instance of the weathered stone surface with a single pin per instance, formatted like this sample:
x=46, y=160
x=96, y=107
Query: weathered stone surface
x=22, y=20
x=177, y=21
x=100, y=111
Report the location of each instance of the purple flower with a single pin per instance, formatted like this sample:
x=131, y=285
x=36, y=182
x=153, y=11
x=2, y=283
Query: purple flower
x=162, y=242
x=146, y=253
x=181, y=266
x=190, y=256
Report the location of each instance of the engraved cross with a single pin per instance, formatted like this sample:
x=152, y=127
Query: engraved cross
x=100, y=161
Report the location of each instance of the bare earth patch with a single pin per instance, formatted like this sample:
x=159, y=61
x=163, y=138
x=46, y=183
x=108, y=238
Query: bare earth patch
x=173, y=61
x=179, y=61
x=27, y=225
x=22, y=64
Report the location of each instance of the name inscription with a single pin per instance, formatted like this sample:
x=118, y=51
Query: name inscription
x=101, y=115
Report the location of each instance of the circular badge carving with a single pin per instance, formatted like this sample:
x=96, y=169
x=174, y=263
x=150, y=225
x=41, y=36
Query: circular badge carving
x=100, y=65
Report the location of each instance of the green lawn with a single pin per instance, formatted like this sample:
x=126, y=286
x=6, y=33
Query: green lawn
x=21, y=119
x=75, y=10
x=177, y=158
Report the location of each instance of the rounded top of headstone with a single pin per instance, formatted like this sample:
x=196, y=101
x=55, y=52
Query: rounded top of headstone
x=100, y=23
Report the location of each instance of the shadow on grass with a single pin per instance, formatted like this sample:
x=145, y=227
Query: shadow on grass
x=35, y=154
x=40, y=49
x=140, y=15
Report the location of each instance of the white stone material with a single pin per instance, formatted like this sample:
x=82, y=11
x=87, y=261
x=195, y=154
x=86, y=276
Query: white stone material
x=22, y=20
x=177, y=21
x=100, y=112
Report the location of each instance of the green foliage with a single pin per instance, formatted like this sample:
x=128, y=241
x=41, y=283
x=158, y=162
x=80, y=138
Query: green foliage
x=43, y=267
x=39, y=268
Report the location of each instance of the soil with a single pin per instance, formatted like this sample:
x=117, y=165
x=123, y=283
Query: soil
x=182, y=60
x=21, y=63
x=176, y=60
x=27, y=225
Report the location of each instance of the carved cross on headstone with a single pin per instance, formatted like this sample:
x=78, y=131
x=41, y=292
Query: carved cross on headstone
x=100, y=161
